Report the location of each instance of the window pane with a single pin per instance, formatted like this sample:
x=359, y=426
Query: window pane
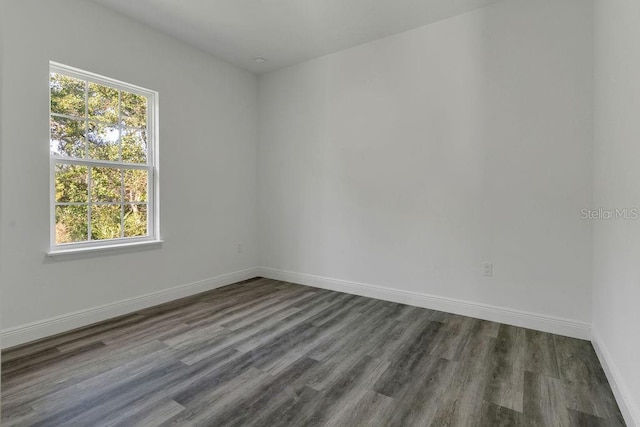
x=106, y=184
x=67, y=95
x=134, y=110
x=71, y=224
x=135, y=220
x=105, y=222
x=71, y=183
x=134, y=146
x=103, y=103
x=67, y=137
x=135, y=185
x=103, y=142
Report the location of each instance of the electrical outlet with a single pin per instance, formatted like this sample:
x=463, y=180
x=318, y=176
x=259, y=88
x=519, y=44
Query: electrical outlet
x=487, y=269
x=239, y=248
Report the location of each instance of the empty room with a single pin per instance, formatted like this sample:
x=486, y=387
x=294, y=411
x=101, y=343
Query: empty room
x=320, y=213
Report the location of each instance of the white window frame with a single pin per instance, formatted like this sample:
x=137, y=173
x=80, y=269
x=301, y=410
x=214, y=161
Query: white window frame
x=153, y=217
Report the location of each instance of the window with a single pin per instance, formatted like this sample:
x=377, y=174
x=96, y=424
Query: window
x=103, y=163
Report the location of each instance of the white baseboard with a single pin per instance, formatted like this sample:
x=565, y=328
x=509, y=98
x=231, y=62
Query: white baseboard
x=628, y=407
x=555, y=325
x=25, y=333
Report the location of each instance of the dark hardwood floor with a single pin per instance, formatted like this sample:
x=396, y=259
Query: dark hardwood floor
x=270, y=353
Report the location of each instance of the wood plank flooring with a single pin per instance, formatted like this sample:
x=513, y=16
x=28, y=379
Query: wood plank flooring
x=269, y=353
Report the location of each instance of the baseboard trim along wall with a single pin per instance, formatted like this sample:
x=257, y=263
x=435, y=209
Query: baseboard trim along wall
x=25, y=333
x=523, y=319
x=22, y=334
x=629, y=410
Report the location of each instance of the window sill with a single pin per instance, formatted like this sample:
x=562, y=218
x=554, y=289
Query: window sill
x=96, y=250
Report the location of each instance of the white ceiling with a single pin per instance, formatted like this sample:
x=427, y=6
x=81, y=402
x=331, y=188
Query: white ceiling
x=285, y=32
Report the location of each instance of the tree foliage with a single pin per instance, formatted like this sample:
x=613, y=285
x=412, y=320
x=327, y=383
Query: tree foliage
x=97, y=122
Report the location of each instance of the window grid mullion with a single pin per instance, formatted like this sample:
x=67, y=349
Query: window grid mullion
x=122, y=203
x=96, y=203
x=89, y=185
x=120, y=125
x=100, y=122
x=101, y=163
x=120, y=158
x=86, y=119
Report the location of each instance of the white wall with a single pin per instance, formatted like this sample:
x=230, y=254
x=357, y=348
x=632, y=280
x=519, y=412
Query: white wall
x=616, y=316
x=407, y=162
x=207, y=160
